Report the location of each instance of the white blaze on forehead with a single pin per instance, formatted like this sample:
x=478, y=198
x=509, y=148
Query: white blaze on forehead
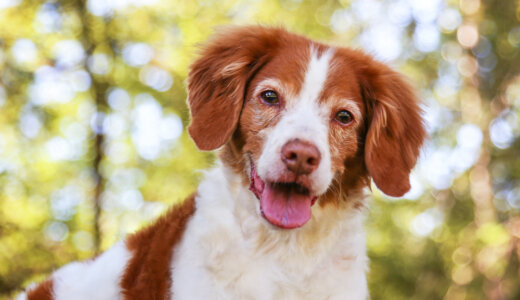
x=315, y=75
x=305, y=119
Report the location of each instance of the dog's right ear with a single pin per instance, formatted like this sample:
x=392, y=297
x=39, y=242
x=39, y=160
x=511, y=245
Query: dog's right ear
x=217, y=81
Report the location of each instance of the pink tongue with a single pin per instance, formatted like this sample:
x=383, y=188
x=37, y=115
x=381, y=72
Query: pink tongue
x=284, y=207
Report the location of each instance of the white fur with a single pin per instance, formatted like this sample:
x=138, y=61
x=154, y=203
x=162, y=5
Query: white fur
x=230, y=252
x=305, y=119
x=316, y=75
x=96, y=279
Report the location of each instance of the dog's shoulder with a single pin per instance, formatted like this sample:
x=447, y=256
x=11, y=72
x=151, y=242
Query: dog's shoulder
x=148, y=271
x=138, y=268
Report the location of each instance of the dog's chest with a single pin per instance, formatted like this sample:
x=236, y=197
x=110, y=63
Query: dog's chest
x=227, y=253
x=221, y=266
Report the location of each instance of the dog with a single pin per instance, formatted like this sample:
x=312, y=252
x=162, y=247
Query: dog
x=302, y=128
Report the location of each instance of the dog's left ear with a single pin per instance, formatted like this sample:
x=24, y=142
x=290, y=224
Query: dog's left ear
x=217, y=81
x=395, y=131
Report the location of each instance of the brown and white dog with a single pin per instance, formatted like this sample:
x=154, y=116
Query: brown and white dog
x=302, y=128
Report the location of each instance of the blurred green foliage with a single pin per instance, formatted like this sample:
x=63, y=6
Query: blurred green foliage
x=92, y=146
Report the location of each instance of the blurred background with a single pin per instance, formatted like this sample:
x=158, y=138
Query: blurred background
x=93, y=142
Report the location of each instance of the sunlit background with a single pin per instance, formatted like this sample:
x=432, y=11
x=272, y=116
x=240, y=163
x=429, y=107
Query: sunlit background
x=93, y=142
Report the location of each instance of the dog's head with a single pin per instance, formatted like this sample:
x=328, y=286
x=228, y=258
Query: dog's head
x=301, y=120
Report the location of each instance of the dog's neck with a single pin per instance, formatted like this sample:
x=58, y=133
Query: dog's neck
x=233, y=251
x=330, y=224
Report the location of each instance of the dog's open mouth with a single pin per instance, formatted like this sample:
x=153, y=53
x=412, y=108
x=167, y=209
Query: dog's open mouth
x=283, y=204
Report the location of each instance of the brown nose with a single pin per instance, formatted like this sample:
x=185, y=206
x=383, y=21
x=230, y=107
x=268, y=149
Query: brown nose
x=300, y=157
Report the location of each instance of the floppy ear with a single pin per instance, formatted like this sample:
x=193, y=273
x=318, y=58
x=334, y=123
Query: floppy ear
x=396, y=132
x=217, y=81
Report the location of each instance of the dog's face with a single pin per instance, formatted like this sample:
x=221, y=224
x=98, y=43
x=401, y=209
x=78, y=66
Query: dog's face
x=302, y=121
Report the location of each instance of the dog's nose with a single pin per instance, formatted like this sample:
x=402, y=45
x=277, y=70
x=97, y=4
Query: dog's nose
x=300, y=157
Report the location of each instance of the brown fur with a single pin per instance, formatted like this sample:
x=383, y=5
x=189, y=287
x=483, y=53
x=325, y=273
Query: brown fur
x=217, y=82
x=396, y=131
x=147, y=275
x=42, y=292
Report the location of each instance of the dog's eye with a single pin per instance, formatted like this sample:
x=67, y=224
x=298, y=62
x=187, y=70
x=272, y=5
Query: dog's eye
x=270, y=97
x=344, y=117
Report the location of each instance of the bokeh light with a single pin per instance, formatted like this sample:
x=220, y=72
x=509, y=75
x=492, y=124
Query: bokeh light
x=93, y=141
